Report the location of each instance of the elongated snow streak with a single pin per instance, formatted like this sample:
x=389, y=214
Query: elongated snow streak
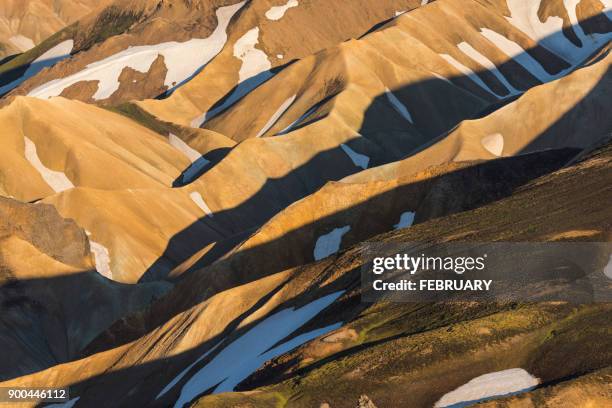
x=398, y=106
x=471, y=52
x=182, y=60
x=57, y=180
x=359, y=160
x=191, y=153
x=406, y=220
x=489, y=386
x=608, y=268
x=298, y=120
x=49, y=58
x=254, y=61
x=101, y=258
x=468, y=73
x=514, y=51
x=178, y=378
x=242, y=89
x=274, y=118
x=198, y=162
x=248, y=352
x=199, y=201
x=277, y=12
x=329, y=243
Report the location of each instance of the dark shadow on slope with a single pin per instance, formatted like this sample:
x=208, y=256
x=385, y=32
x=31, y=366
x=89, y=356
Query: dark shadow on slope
x=15, y=77
x=137, y=385
x=386, y=137
x=278, y=193
x=468, y=187
x=48, y=320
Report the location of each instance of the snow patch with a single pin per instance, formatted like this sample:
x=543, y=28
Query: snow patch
x=182, y=60
x=248, y=352
x=399, y=13
x=298, y=120
x=199, y=201
x=178, y=378
x=467, y=72
x=398, y=106
x=607, y=8
x=239, y=91
x=280, y=56
x=406, y=220
x=471, y=52
x=329, y=243
x=254, y=61
x=198, y=162
x=21, y=42
x=549, y=34
x=359, y=160
x=608, y=268
x=277, y=12
x=279, y=112
x=47, y=59
x=517, y=53
x=489, y=386
x=424, y=2
x=183, y=147
x=57, y=180
x=442, y=78
x=494, y=143
x=101, y=257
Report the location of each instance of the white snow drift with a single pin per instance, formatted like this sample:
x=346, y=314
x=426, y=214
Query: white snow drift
x=101, y=257
x=359, y=160
x=467, y=72
x=182, y=60
x=254, y=61
x=57, y=180
x=247, y=353
x=178, y=378
x=398, y=106
x=328, y=244
x=274, y=118
x=50, y=57
x=199, y=201
x=406, y=220
x=197, y=161
x=277, y=12
x=471, y=52
x=487, y=386
x=517, y=53
x=549, y=34
x=494, y=143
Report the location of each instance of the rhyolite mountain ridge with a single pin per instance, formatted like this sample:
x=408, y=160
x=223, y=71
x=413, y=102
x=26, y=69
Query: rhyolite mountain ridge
x=187, y=189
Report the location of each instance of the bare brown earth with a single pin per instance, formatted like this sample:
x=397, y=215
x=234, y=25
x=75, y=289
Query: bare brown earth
x=398, y=342
x=47, y=278
x=38, y=19
x=196, y=258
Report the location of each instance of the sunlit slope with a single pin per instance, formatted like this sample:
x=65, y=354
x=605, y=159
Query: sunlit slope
x=26, y=23
x=48, y=278
x=337, y=366
x=142, y=49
